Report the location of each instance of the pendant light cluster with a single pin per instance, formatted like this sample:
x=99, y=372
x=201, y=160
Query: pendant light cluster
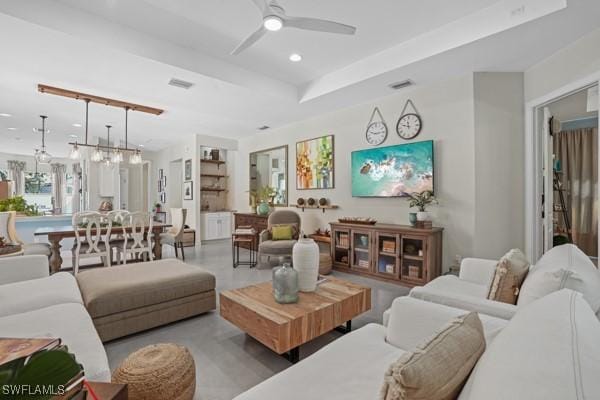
x=42, y=156
x=107, y=155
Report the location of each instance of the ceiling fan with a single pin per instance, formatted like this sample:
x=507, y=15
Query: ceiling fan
x=275, y=18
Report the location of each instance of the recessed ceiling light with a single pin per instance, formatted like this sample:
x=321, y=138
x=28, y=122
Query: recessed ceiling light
x=12, y=129
x=17, y=138
x=73, y=136
x=141, y=145
x=5, y=115
x=272, y=23
x=76, y=125
x=295, y=57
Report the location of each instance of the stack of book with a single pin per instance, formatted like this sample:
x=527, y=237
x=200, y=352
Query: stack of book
x=389, y=246
x=343, y=240
x=18, y=353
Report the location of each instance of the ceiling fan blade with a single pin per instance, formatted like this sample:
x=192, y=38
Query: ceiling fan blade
x=249, y=41
x=321, y=25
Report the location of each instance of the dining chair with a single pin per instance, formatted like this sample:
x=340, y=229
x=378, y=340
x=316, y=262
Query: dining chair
x=116, y=240
x=8, y=230
x=174, y=236
x=137, y=234
x=93, y=243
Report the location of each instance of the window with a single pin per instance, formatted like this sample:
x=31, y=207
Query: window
x=68, y=209
x=38, y=190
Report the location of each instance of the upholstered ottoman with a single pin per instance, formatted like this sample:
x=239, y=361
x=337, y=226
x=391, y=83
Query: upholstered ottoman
x=126, y=299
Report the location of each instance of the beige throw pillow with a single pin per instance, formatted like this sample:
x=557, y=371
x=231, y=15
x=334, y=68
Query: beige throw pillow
x=438, y=368
x=509, y=276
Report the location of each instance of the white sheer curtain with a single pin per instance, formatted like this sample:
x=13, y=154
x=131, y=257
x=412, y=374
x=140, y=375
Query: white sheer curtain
x=17, y=175
x=58, y=186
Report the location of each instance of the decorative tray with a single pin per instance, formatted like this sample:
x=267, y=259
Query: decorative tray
x=357, y=221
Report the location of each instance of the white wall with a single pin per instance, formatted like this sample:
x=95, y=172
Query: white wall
x=499, y=160
x=577, y=61
x=447, y=111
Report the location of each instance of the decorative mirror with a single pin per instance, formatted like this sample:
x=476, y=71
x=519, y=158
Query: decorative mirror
x=268, y=174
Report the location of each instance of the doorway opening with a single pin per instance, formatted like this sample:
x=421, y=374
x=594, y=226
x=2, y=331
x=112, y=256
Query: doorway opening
x=568, y=127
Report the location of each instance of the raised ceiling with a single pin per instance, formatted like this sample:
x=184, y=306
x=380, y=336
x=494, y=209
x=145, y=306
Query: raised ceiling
x=129, y=49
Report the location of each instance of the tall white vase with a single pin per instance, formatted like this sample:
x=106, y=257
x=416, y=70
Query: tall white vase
x=305, y=258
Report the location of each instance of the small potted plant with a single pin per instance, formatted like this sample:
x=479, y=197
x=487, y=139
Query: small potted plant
x=264, y=195
x=157, y=207
x=421, y=201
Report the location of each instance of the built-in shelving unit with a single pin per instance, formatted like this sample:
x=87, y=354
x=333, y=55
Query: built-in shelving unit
x=213, y=180
x=397, y=253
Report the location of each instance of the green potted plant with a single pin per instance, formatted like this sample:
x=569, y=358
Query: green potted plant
x=18, y=204
x=421, y=201
x=265, y=195
x=157, y=207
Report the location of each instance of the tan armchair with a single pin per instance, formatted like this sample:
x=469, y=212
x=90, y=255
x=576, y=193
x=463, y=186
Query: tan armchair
x=272, y=250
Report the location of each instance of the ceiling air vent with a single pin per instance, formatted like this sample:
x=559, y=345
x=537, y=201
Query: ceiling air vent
x=401, y=85
x=263, y=128
x=180, y=83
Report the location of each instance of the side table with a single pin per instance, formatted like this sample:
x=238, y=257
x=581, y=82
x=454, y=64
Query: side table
x=245, y=240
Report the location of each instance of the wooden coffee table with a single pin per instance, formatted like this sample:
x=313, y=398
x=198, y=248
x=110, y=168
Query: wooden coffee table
x=284, y=327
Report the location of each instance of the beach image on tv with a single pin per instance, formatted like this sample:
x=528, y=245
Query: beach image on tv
x=393, y=171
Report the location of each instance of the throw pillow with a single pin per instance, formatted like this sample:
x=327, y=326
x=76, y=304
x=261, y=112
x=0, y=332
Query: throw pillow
x=438, y=368
x=540, y=283
x=294, y=227
x=508, y=277
x=281, y=232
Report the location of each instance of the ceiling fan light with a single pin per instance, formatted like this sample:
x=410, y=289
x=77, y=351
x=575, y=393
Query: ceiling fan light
x=273, y=23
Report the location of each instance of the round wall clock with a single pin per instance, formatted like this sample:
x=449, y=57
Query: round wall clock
x=409, y=124
x=377, y=131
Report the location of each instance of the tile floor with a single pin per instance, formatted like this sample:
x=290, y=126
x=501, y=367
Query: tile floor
x=228, y=362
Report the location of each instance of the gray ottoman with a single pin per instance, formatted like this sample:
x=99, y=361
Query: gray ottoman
x=126, y=299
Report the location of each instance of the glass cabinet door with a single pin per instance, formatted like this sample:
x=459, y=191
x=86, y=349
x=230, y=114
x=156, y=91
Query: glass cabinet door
x=413, y=256
x=387, y=248
x=361, y=249
x=340, y=247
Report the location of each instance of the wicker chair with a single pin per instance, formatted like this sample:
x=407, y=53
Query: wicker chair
x=273, y=250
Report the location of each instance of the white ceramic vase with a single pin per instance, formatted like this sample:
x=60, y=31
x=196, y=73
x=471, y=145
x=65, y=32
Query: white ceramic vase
x=422, y=216
x=305, y=258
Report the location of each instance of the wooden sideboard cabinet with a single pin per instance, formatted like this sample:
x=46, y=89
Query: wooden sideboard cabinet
x=258, y=222
x=396, y=253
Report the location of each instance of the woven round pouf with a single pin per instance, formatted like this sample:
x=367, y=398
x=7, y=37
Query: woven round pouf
x=158, y=372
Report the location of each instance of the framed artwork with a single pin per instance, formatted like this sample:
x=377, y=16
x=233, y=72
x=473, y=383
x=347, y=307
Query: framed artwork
x=160, y=186
x=188, y=170
x=393, y=171
x=315, y=163
x=163, y=197
x=188, y=190
x=160, y=173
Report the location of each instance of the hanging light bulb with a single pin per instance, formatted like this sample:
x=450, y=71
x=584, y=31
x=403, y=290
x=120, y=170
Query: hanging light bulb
x=97, y=155
x=42, y=156
x=117, y=157
x=135, y=158
x=75, y=154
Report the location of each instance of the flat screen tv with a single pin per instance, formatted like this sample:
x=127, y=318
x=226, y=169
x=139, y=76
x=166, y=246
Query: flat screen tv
x=393, y=171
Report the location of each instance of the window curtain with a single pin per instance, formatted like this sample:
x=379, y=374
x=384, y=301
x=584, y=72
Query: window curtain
x=17, y=175
x=58, y=172
x=577, y=151
x=75, y=207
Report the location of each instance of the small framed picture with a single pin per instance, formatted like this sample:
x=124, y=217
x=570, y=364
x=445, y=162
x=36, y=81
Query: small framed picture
x=188, y=170
x=160, y=186
x=188, y=190
x=160, y=173
x=163, y=197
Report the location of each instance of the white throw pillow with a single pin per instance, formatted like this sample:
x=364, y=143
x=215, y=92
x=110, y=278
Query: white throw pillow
x=540, y=283
x=548, y=351
x=586, y=279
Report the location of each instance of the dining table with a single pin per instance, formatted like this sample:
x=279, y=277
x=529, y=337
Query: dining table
x=56, y=234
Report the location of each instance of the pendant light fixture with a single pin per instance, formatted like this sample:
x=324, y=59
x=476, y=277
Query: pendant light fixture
x=42, y=156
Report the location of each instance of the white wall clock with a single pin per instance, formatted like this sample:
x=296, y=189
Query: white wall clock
x=377, y=131
x=409, y=124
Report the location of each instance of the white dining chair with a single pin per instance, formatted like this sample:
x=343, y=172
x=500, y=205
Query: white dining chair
x=174, y=236
x=94, y=243
x=116, y=239
x=137, y=234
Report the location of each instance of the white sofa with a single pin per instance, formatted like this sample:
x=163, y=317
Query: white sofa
x=547, y=351
x=469, y=290
x=34, y=304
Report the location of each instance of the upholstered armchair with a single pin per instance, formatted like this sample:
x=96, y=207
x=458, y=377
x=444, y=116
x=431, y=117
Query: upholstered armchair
x=174, y=236
x=271, y=249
